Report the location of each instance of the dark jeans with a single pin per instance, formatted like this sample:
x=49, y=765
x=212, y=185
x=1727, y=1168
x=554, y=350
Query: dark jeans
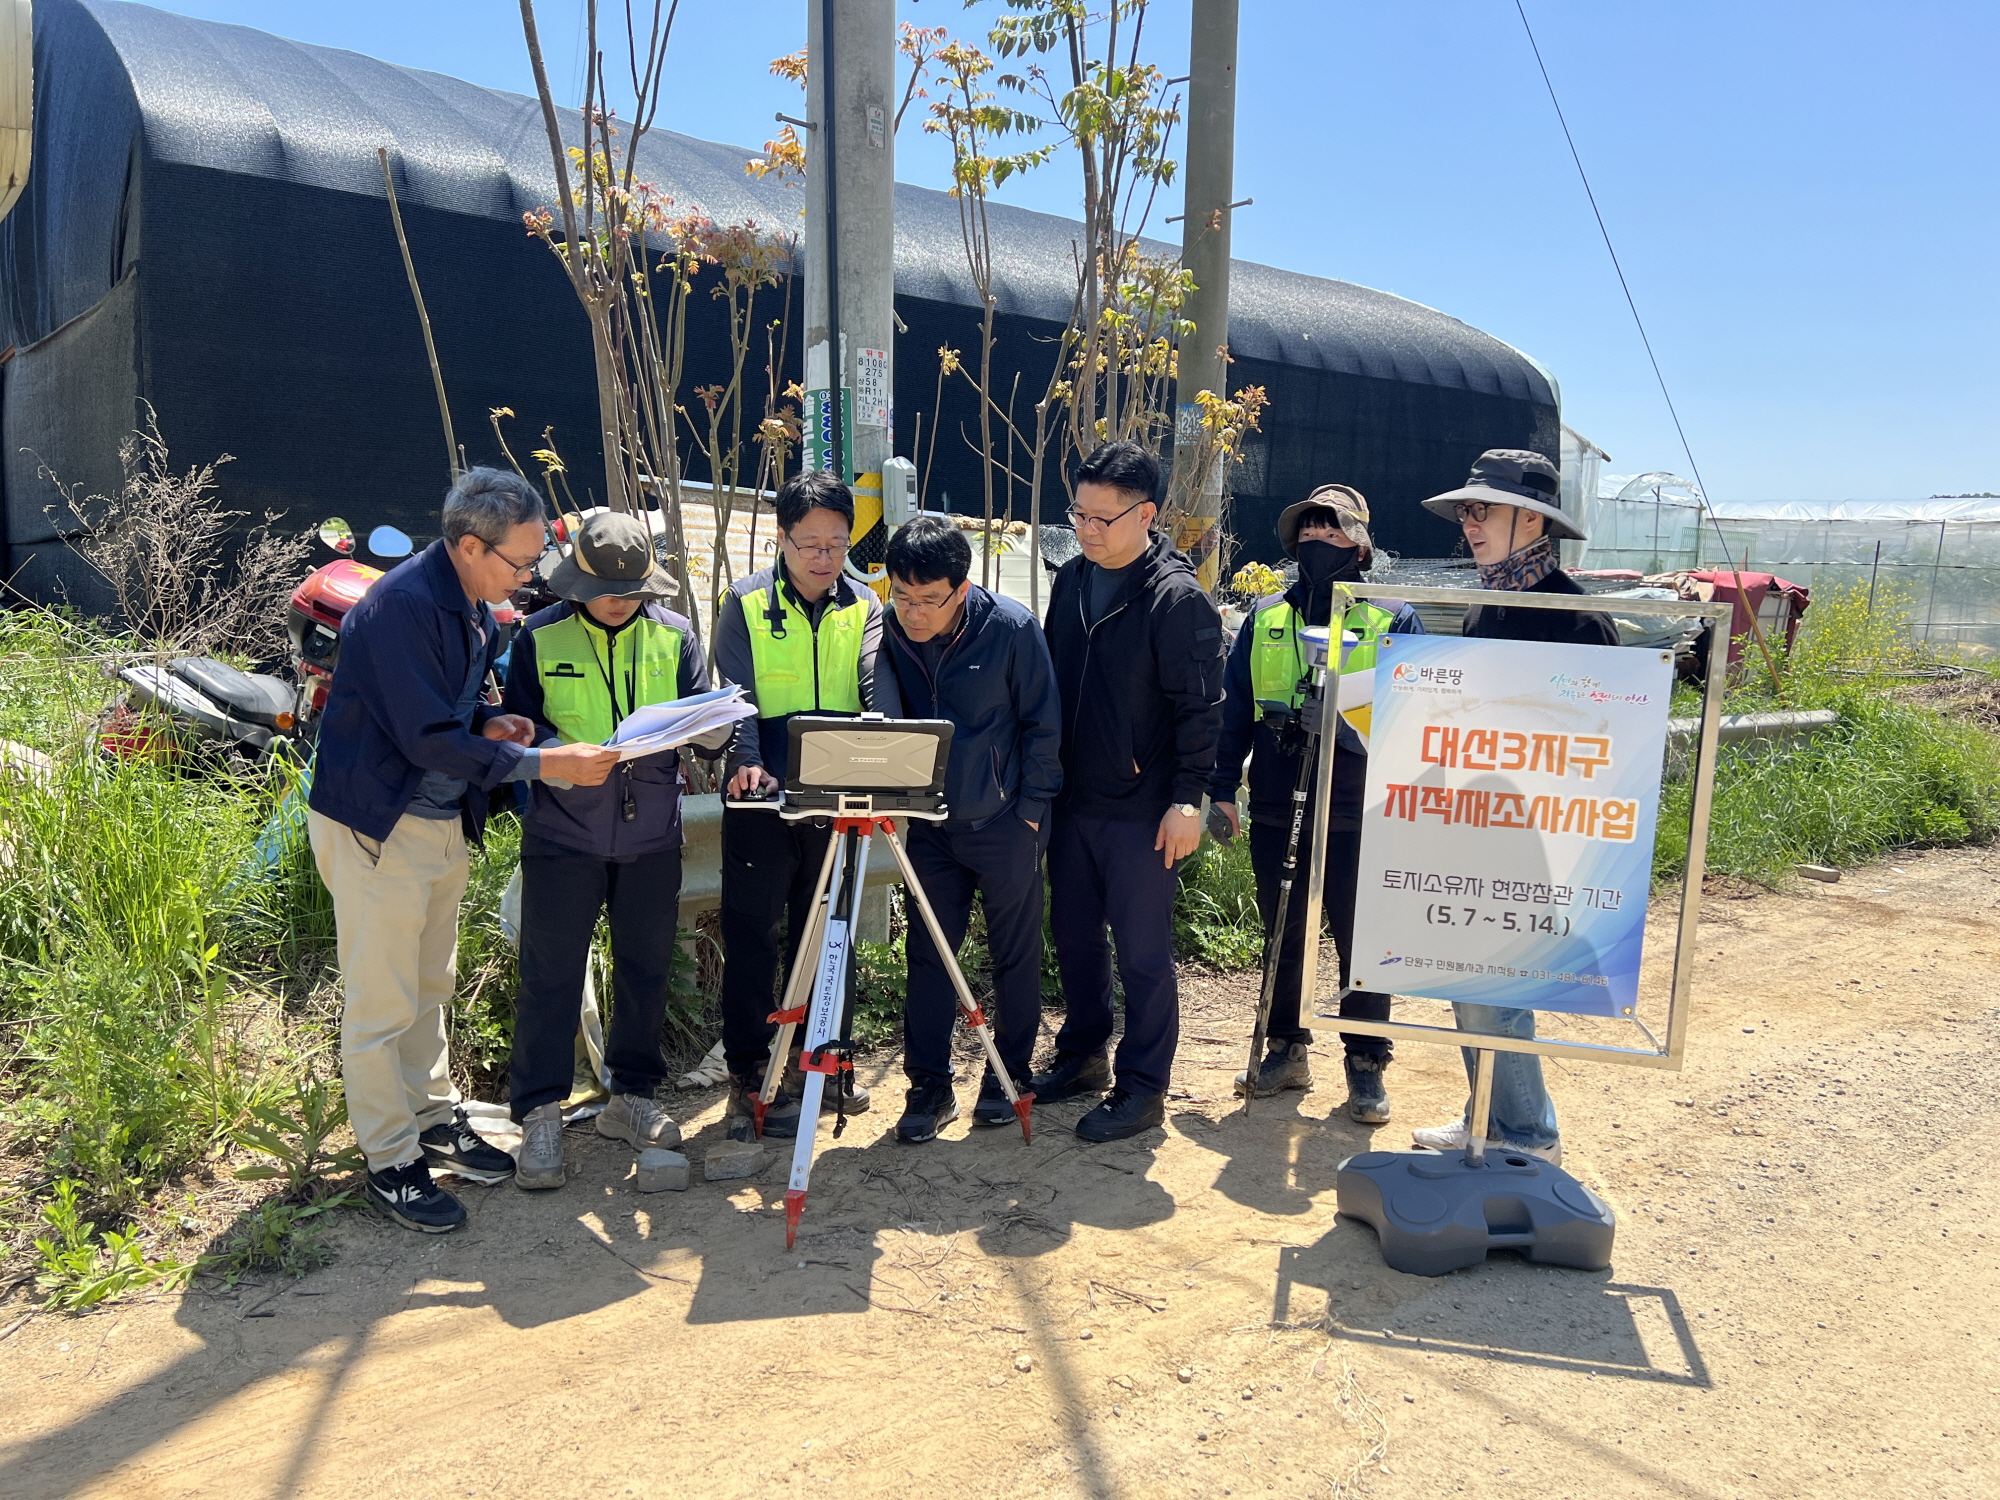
x=768, y=870
x=1343, y=860
x=1105, y=872
x=1003, y=863
x=561, y=895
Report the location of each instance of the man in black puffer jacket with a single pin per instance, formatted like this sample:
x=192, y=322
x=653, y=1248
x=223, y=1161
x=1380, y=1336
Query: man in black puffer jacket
x=1138, y=655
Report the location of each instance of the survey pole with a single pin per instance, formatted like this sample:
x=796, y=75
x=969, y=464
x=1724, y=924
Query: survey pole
x=850, y=234
x=1204, y=359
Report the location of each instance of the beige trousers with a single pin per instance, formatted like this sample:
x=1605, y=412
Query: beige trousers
x=396, y=907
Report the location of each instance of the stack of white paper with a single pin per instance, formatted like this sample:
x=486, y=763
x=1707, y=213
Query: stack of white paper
x=663, y=726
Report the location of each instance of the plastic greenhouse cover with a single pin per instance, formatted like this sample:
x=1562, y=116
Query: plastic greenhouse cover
x=1878, y=512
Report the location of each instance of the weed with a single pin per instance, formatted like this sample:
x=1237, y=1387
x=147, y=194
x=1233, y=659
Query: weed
x=277, y=1235
x=293, y=1130
x=1216, y=921
x=79, y=1268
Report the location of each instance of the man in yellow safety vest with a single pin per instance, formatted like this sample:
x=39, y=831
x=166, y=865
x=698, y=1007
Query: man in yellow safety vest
x=799, y=637
x=1328, y=533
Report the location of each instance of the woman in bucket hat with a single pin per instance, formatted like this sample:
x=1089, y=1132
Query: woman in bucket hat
x=1510, y=510
x=578, y=668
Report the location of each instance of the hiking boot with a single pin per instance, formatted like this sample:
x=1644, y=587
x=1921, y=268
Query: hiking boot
x=1454, y=1136
x=407, y=1195
x=541, y=1161
x=1285, y=1066
x=1123, y=1113
x=993, y=1108
x=927, y=1107
x=1367, y=1100
x=857, y=1096
x=455, y=1147
x=781, y=1120
x=638, y=1120
x=1072, y=1075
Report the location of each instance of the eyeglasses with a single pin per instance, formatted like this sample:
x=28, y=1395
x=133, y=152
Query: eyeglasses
x=905, y=604
x=831, y=553
x=1103, y=523
x=518, y=567
x=1471, y=510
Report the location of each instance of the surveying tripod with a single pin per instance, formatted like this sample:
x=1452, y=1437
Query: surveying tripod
x=817, y=994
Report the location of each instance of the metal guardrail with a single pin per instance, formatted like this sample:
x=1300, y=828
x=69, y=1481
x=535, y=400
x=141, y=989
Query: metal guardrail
x=1785, y=728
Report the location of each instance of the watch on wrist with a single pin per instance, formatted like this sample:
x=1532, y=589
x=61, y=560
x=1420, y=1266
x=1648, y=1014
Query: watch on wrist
x=1187, y=809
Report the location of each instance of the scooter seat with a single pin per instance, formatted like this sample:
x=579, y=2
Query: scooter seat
x=245, y=695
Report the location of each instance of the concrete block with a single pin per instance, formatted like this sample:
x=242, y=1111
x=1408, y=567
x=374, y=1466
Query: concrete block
x=728, y=1160
x=662, y=1171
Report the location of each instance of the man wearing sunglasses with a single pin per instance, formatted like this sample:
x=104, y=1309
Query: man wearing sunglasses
x=407, y=753
x=580, y=668
x=1510, y=510
x=1138, y=654
x=799, y=637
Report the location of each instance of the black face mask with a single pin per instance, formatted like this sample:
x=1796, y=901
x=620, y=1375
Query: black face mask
x=1322, y=563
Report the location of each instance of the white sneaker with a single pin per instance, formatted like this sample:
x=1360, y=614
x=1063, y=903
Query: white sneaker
x=1453, y=1137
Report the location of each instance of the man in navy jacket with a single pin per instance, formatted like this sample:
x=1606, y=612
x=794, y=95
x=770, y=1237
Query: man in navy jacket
x=407, y=752
x=963, y=654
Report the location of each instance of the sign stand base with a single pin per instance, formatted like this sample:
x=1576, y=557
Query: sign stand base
x=1435, y=1213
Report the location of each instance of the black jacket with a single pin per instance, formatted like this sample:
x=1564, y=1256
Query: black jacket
x=995, y=684
x=1141, y=689
x=405, y=652
x=1562, y=627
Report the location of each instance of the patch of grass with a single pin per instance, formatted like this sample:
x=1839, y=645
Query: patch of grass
x=280, y=1234
x=79, y=1267
x=1215, y=910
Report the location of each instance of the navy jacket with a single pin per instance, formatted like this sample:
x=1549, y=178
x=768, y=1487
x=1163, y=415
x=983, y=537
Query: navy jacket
x=1141, y=688
x=392, y=715
x=592, y=819
x=996, y=685
x=1496, y=622
x=1273, y=772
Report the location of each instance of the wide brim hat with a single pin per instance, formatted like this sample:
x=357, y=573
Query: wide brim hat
x=1516, y=477
x=1343, y=500
x=612, y=558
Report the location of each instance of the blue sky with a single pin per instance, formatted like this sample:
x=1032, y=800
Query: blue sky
x=1803, y=194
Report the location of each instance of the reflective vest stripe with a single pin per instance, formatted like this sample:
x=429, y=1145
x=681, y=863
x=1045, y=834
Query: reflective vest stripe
x=590, y=680
x=1277, y=659
x=801, y=667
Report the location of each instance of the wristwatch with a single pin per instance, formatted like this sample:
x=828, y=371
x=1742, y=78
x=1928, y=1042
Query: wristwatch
x=1187, y=809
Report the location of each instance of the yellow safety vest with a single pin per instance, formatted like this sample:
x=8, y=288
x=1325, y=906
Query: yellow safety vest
x=802, y=667
x=1277, y=661
x=592, y=679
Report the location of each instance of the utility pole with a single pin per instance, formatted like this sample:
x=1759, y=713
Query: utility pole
x=850, y=239
x=1204, y=361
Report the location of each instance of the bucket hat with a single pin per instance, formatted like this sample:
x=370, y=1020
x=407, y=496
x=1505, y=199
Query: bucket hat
x=613, y=556
x=1343, y=500
x=1512, y=476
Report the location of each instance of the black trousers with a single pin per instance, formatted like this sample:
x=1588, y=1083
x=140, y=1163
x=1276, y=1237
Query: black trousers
x=1107, y=882
x=769, y=867
x=1002, y=862
x=561, y=896
x=1343, y=862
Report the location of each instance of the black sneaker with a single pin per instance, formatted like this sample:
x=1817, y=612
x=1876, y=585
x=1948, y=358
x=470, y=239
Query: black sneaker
x=927, y=1108
x=993, y=1108
x=781, y=1120
x=455, y=1147
x=1123, y=1113
x=407, y=1195
x=1286, y=1066
x=1072, y=1075
x=1367, y=1100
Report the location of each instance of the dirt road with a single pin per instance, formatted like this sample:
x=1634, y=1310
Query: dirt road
x=1805, y=1300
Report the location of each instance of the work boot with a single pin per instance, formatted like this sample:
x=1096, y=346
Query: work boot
x=1072, y=1075
x=928, y=1107
x=993, y=1108
x=541, y=1163
x=638, y=1120
x=1285, y=1066
x=407, y=1195
x=455, y=1147
x=1123, y=1113
x=781, y=1120
x=1367, y=1100
x=1453, y=1137
x=857, y=1096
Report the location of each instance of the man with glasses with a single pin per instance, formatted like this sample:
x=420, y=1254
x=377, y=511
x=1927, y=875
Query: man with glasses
x=1138, y=654
x=979, y=660
x=799, y=637
x=1510, y=510
x=407, y=753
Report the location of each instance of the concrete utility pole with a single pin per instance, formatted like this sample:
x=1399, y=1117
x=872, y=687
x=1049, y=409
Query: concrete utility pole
x=1209, y=175
x=850, y=235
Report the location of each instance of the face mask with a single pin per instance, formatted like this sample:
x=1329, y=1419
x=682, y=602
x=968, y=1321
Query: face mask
x=1320, y=563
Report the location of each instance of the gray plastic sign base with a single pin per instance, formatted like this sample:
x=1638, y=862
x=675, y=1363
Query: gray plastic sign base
x=1434, y=1213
